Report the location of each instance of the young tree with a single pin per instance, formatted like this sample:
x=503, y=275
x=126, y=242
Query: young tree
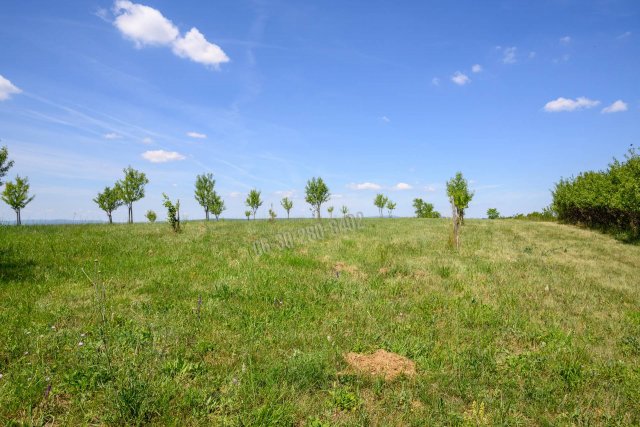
x=459, y=196
x=173, y=213
x=131, y=188
x=330, y=210
x=109, y=200
x=492, y=213
x=317, y=193
x=204, y=193
x=380, y=202
x=16, y=195
x=272, y=214
x=5, y=164
x=253, y=201
x=247, y=214
x=344, y=210
x=286, y=205
x=217, y=205
x=151, y=216
x=391, y=206
x=424, y=209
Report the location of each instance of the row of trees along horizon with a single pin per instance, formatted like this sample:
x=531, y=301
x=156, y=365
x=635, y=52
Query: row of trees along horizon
x=606, y=200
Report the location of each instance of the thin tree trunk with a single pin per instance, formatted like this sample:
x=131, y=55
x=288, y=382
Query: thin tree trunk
x=206, y=213
x=18, y=222
x=110, y=219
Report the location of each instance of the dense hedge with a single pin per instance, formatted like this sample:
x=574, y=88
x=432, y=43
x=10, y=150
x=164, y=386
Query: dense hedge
x=607, y=199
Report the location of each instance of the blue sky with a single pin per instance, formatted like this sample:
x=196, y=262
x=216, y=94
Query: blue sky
x=374, y=96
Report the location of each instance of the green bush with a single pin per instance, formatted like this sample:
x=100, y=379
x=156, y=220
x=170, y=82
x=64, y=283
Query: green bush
x=608, y=200
x=492, y=213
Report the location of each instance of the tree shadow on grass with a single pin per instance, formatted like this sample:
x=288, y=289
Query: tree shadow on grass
x=14, y=268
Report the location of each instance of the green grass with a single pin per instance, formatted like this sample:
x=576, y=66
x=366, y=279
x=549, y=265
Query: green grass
x=530, y=324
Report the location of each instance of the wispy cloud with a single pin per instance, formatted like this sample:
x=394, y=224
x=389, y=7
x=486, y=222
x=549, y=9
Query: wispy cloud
x=509, y=55
x=147, y=26
x=565, y=40
x=162, y=156
x=566, y=104
x=435, y=81
x=147, y=140
x=476, y=68
x=196, y=135
x=7, y=89
x=364, y=186
x=624, y=35
x=385, y=119
x=617, y=107
x=402, y=186
x=112, y=135
x=460, y=79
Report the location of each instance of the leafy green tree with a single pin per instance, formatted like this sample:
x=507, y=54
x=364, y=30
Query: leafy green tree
x=217, y=206
x=316, y=193
x=204, y=192
x=459, y=196
x=330, y=210
x=247, y=214
x=16, y=195
x=424, y=209
x=173, y=213
x=151, y=216
x=286, y=205
x=5, y=164
x=492, y=213
x=344, y=210
x=391, y=206
x=254, y=201
x=380, y=202
x=131, y=188
x=109, y=200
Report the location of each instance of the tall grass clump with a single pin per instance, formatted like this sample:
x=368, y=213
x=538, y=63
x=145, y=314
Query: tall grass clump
x=608, y=200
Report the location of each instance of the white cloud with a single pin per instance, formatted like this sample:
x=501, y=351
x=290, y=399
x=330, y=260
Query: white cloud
x=235, y=194
x=112, y=135
x=430, y=188
x=143, y=24
x=565, y=40
x=195, y=47
x=285, y=193
x=7, y=89
x=476, y=68
x=460, y=79
x=196, y=135
x=162, y=156
x=147, y=140
x=565, y=104
x=509, y=55
x=624, y=35
x=364, y=186
x=435, y=81
x=402, y=186
x=385, y=119
x=147, y=26
x=616, y=107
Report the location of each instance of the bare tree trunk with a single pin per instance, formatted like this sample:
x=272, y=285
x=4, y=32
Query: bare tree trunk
x=206, y=213
x=110, y=219
x=456, y=225
x=287, y=214
x=318, y=211
x=18, y=221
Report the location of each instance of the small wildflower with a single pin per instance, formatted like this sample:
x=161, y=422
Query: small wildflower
x=47, y=379
x=53, y=327
x=80, y=344
x=235, y=381
x=26, y=353
x=82, y=335
x=244, y=367
x=1, y=376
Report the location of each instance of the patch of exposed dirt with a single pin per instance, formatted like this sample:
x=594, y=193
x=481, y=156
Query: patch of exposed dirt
x=381, y=363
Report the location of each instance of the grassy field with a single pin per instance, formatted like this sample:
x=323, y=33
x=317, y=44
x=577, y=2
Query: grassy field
x=530, y=324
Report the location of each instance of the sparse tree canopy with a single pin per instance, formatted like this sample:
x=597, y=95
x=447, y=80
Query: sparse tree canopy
x=344, y=210
x=204, y=192
x=151, y=216
x=131, y=188
x=317, y=193
x=247, y=214
x=253, y=201
x=380, y=202
x=459, y=196
x=424, y=209
x=330, y=210
x=5, y=163
x=173, y=213
x=286, y=205
x=16, y=195
x=272, y=214
x=109, y=200
x=492, y=213
x=391, y=206
x=217, y=205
